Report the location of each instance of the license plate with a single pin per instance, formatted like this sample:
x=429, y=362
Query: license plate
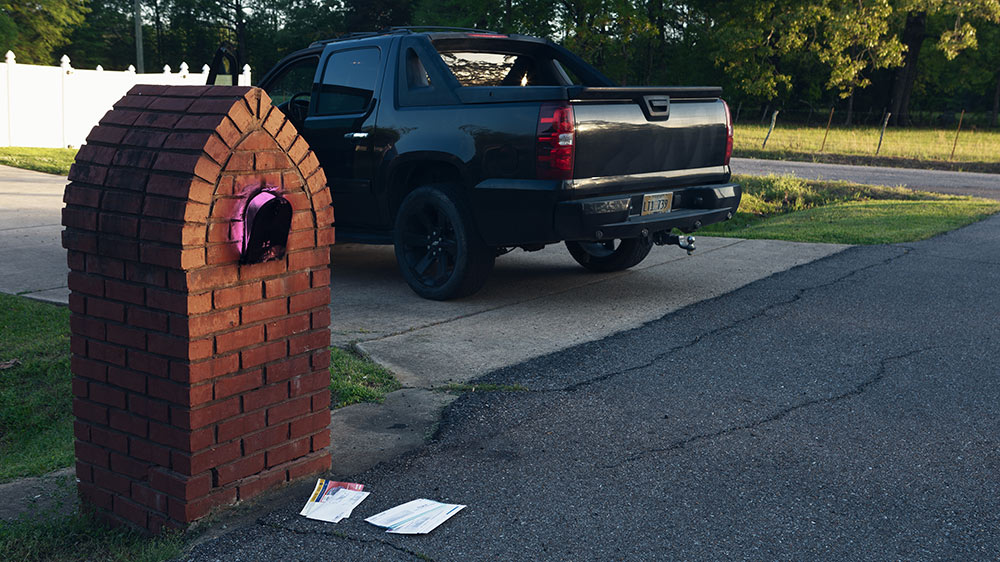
x=654, y=203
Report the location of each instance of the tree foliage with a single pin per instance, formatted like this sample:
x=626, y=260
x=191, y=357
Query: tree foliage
x=806, y=53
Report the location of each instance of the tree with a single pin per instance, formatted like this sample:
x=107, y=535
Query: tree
x=952, y=41
x=33, y=30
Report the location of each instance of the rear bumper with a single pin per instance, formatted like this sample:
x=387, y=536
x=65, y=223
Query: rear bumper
x=620, y=216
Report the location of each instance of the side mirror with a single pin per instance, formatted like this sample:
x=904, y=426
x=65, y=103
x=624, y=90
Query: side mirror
x=263, y=236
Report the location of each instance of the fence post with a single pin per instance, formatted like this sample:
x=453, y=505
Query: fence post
x=9, y=59
x=885, y=122
x=828, y=122
x=64, y=69
x=774, y=118
x=954, y=146
x=244, y=79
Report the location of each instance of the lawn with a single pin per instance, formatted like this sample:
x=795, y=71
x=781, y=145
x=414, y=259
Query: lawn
x=977, y=150
x=49, y=160
x=787, y=208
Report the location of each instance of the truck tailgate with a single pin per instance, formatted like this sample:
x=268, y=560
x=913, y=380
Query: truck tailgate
x=630, y=137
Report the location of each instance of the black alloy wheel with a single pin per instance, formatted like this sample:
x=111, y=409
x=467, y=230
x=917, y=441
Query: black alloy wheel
x=605, y=256
x=438, y=249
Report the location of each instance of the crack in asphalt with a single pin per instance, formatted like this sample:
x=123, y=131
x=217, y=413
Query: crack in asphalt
x=858, y=390
x=800, y=293
x=340, y=534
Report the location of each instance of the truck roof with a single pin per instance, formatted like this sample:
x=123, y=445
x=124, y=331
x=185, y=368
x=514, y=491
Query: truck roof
x=434, y=32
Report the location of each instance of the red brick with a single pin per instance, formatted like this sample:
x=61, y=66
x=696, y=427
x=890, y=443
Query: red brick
x=79, y=241
x=129, y=293
x=310, y=424
x=306, y=384
x=106, y=134
x=131, y=380
x=325, y=237
x=149, y=497
x=131, y=511
x=147, y=363
x=134, y=158
x=286, y=136
x=107, y=395
x=179, y=485
x=86, y=173
x=233, y=296
x=286, y=285
x=84, y=472
x=106, y=309
x=288, y=326
x=77, y=261
x=105, y=266
x=254, y=486
x=120, y=117
x=86, y=326
x=305, y=259
x=240, y=162
x=320, y=360
x=237, y=384
x=290, y=409
x=126, y=422
x=149, y=451
x=144, y=137
x=308, y=342
x=320, y=319
x=286, y=369
x=79, y=387
x=301, y=240
x=104, y=352
x=91, y=454
x=274, y=121
x=313, y=299
x=198, y=508
x=321, y=441
x=204, y=370
x=239, y=338
x=123, y=464
x=171, y=186
x=218, y=232
x=169, y=391
x=79, y=217
x=205, y=415
x=180, y=348
x=175, y=209
x=246, y=466
x=111, y=481
x=300, y=220
x=146, y=274
x=288, y=452
x=257, y=140
x=321, y=400
x=263, y=354
x=83, y=196
x=228, y=132
x=237, y=427
x=298, y=150
x=206, y=459
x=266, y=439
x=83, y=367
x=125, y=178
x=312, y=464
x=181, y=439
x=109, y=439
x=321, y=277
x=153, y=409
x=265, y=161
x=264, y=310
x=95, y=496
x=211, y=277
x=129, y=337
x=204, y=324
x=266, y=396
x=120, y=225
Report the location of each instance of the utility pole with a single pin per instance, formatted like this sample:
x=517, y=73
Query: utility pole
x=138, y=38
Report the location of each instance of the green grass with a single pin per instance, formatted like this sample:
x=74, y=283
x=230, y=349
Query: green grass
x=36, y=418
x=920, y=148
x=787, y=208
x=50, y=160
x=79, y=537
x=354, y=379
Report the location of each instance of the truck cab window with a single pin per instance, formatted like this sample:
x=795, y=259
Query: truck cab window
x=290, y=91
x=348, y=82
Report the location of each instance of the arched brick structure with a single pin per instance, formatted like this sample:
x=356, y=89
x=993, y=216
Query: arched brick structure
x=198, y=381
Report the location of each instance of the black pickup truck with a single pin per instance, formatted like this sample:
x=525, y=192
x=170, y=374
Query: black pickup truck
x=458, y=146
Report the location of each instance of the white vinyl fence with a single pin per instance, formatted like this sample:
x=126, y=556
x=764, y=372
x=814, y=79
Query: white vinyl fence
x=57, y=106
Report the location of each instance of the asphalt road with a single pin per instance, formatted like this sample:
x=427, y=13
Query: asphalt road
x=955, y=183
x=845, y=409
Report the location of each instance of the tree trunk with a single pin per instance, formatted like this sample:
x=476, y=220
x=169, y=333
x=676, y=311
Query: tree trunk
x=850, y=110
x=913, y=37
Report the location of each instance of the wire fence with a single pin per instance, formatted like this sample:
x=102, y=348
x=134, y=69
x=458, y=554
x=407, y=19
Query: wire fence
x=817, y=116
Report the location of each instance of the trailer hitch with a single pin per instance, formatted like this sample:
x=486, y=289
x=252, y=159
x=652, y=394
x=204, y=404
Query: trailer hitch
x=665, y=238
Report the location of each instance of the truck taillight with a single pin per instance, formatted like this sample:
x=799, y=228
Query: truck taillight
x=729, y=133
x=556, y=137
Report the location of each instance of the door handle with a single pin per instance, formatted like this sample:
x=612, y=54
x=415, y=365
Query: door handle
x=356, y=136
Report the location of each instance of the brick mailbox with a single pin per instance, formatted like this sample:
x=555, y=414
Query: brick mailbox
x=199, y=339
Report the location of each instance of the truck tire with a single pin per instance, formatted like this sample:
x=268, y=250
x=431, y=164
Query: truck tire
x=438, y=248
x=610, y=255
